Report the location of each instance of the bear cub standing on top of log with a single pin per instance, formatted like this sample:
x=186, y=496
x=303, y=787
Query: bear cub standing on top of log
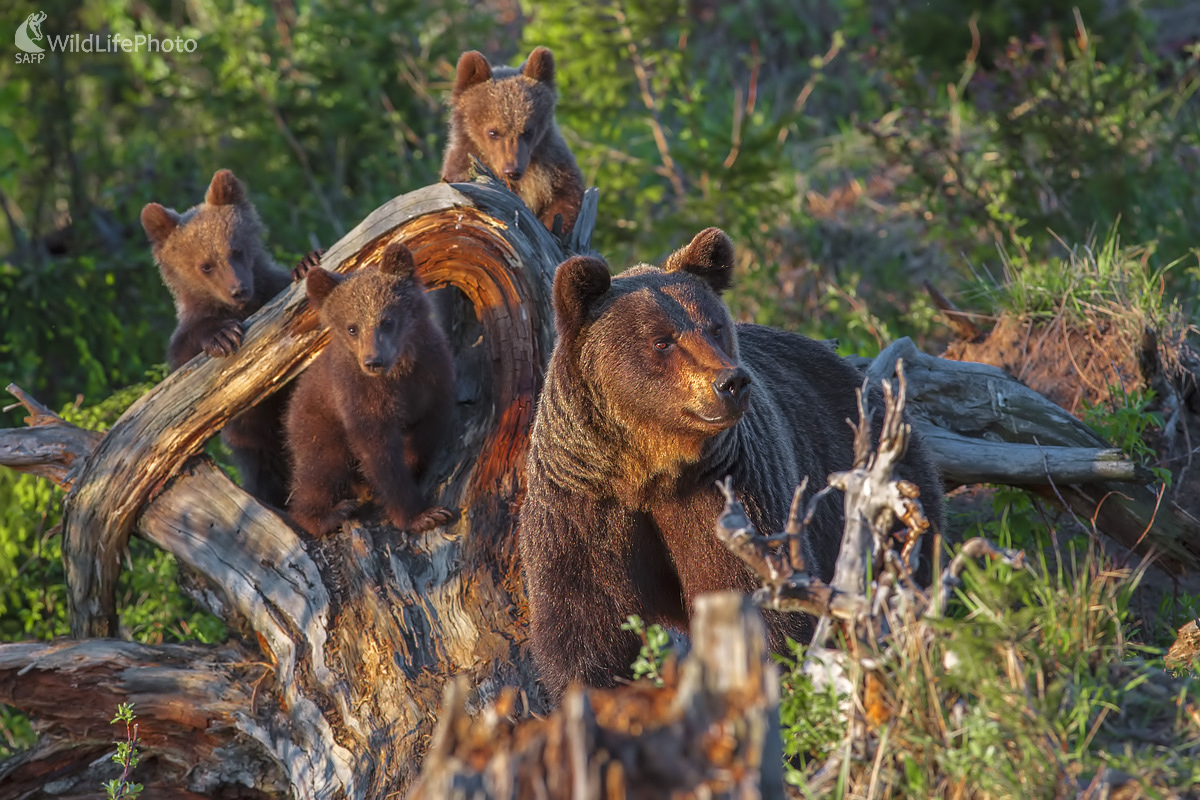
x=504, y=116
x=371, y=409
x=652, y=395
x=215, y=264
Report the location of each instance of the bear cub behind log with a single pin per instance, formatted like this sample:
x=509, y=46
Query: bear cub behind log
x=652, y=395
x=504, y=116
x=215, y=264
x=371, y=409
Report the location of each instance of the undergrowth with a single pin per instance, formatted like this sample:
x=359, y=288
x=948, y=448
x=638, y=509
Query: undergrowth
x=1029, y=688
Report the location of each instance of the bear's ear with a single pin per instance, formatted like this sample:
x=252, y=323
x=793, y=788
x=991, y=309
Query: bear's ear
x=398, y=260
x=578, y=284
x=158, y=222
x=473, y=69
x=319, y=283
x=540, y=65
x=709, y=257
x=225, y=189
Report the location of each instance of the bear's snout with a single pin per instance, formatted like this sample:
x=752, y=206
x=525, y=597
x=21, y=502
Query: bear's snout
x=732, y=386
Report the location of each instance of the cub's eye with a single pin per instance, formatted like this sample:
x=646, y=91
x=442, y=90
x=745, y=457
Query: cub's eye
x=206, y=267
x=235, y=253
x=386, y=323
x=493, y=133
x=716, y=331
x=665, y=343
x=352, y=330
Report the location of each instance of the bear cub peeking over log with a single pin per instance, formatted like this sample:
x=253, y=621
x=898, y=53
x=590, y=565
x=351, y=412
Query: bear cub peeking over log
x=504, y=116
x=652, y=395
x=213, y=261
x=371, y=409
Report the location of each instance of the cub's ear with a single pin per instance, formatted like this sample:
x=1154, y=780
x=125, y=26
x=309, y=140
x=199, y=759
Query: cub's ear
x=319, y=283
x=225, y=189
x=158, y=222
x=473, y=69
x=578, y=284
x=398, y=260
x=539, y=65
x=709, y=257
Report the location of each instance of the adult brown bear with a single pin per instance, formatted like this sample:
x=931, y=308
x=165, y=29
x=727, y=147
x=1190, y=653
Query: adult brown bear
x=652, y=395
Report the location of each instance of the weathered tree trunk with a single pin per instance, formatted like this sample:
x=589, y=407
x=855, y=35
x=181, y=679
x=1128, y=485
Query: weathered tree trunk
x=346, y=644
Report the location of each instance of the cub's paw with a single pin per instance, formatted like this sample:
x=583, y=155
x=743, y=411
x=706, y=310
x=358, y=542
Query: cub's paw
x=429, y=519
x=310, y=260
x=224, y=340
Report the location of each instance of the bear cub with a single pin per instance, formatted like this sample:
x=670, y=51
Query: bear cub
x=652, y=395
x=213, y=261
x=374, y=405
x=504, y=116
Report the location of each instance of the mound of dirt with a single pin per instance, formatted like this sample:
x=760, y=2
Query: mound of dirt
x=1071, y=364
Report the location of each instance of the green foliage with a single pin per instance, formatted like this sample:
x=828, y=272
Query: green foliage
x=656, y=645
x=1049, y=139
x=810, y=721
x=1093, y=279
x=676, y=138
x=127, y=756
x=1028, y=689
x=1126, y=423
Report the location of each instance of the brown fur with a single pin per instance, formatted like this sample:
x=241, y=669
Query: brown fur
x=375, y=404
x=652, y=395
x=504, y=116
x=215, y=264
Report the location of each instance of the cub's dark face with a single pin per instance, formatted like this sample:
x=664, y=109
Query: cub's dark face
x=657, y=345
x=370, y=313
x=506, y=112
x=209, y=250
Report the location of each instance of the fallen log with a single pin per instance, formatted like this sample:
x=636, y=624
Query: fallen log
x=985, y=426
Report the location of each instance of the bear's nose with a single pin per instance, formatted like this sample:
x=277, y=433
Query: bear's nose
x=731, y=383
x=513, y=173
x=238, y=292
x=373, y=364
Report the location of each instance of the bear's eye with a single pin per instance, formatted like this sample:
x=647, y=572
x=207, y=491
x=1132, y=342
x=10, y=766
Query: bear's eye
x=352, y=330
x=235, y=253
x=716, y=331
x=664, y=343
x=206, y=267
x=385, y=324
x=493, y=133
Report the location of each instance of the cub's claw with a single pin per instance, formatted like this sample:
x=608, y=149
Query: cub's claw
x=224, y=341
x=311, y=259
